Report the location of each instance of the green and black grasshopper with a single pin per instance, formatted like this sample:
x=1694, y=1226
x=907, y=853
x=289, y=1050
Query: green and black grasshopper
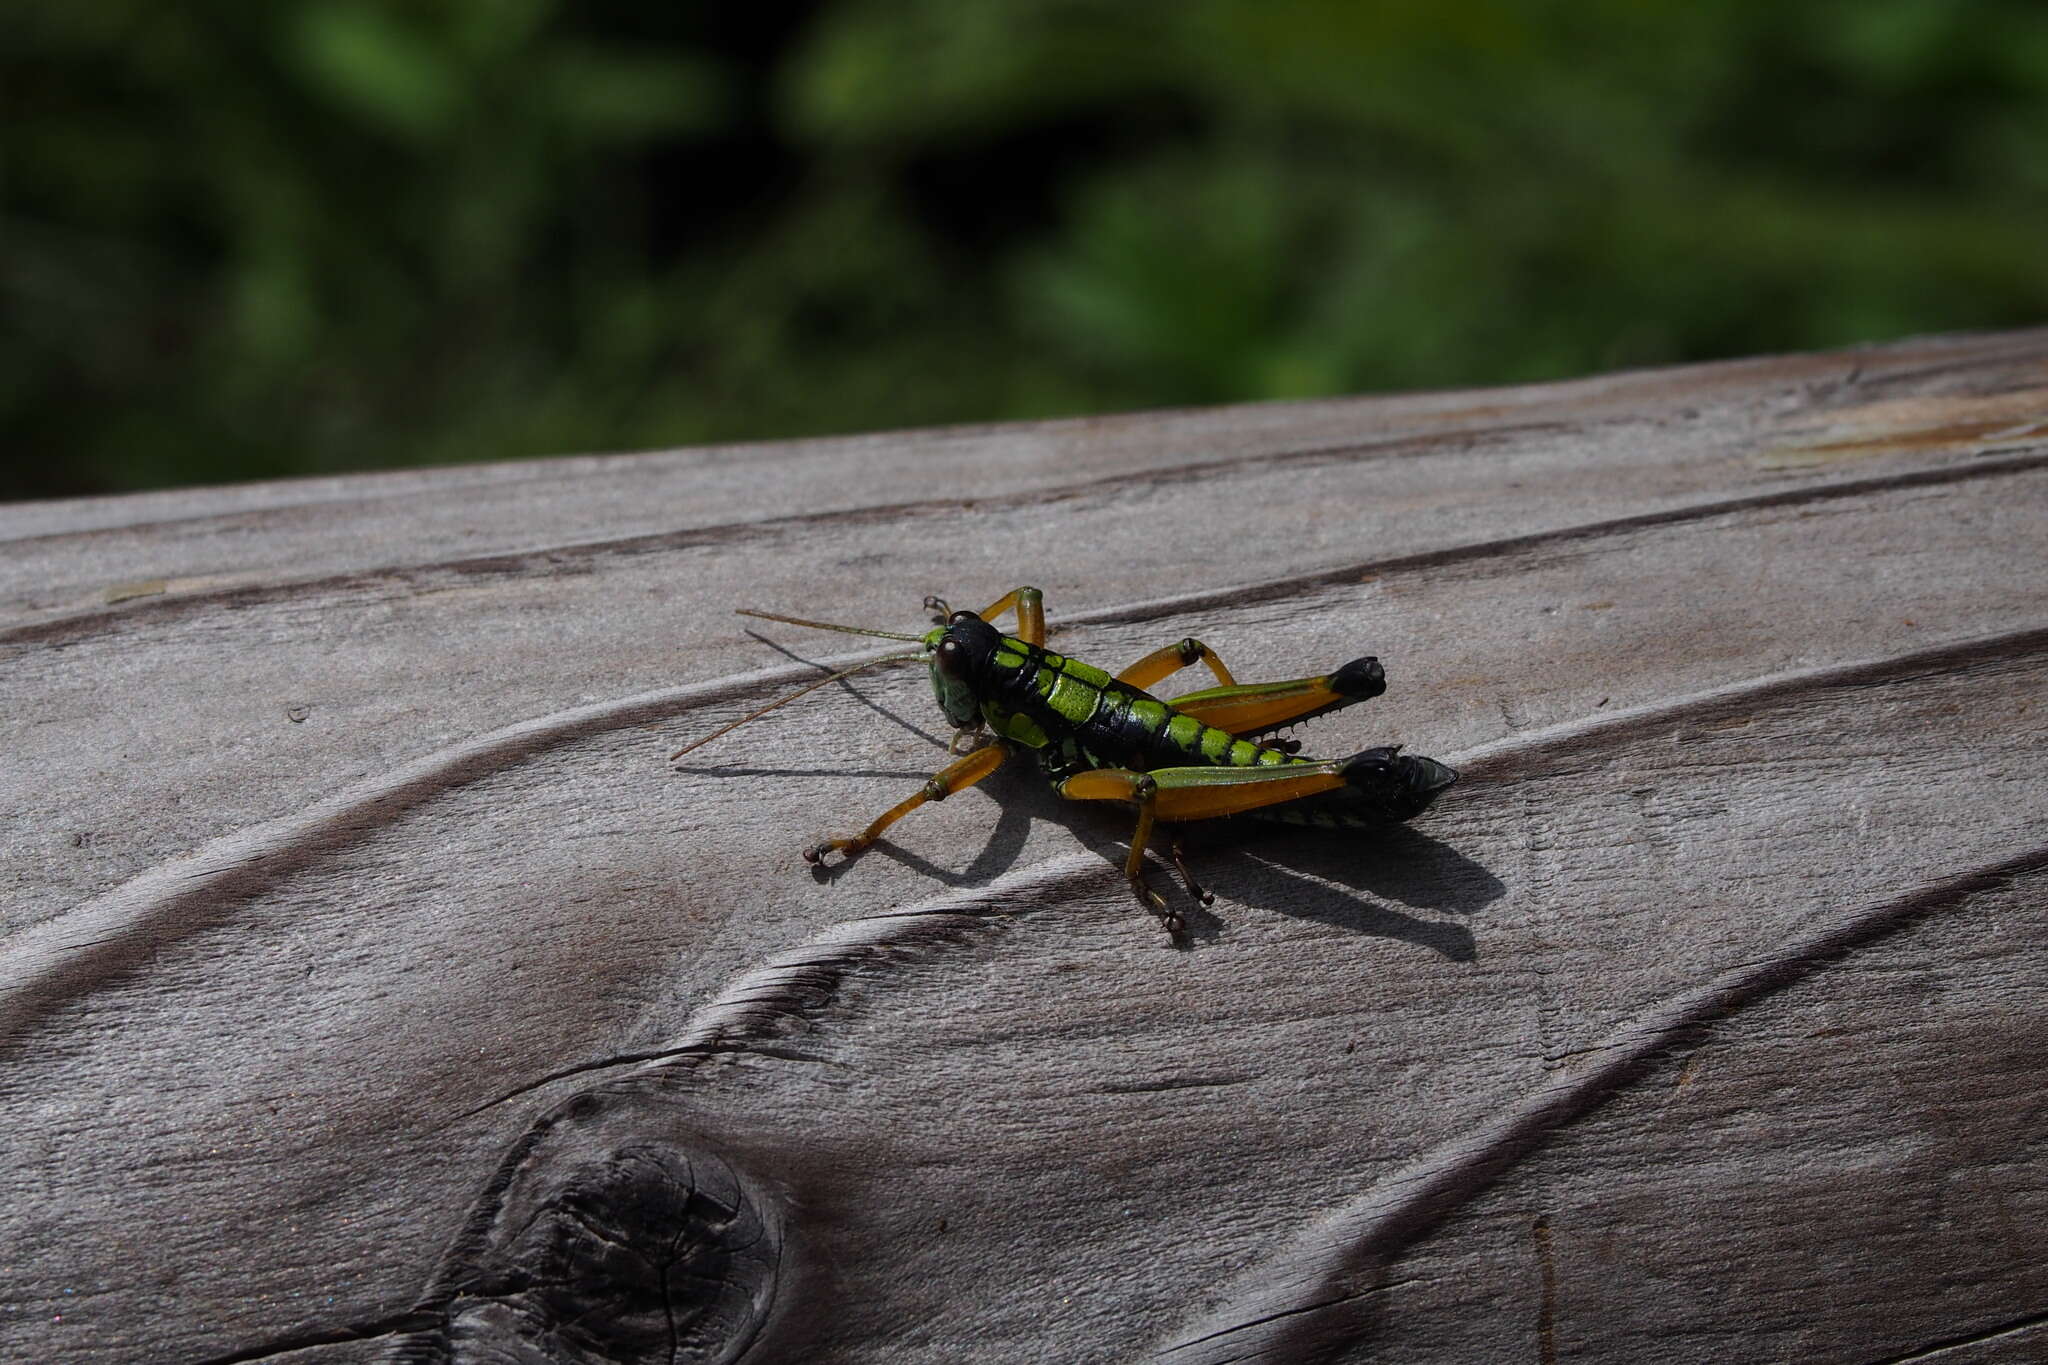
x=1103, y=738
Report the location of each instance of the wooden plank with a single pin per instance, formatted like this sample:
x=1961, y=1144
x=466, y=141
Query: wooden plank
x=346, y=873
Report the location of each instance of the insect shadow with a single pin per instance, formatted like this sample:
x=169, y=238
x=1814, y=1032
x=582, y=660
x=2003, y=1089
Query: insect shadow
x=1390, y=872
x=997, y=856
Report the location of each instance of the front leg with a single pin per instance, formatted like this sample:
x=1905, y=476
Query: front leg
x=956, y=776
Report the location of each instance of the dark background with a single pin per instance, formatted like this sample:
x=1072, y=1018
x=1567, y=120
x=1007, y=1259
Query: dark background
x=245, y=240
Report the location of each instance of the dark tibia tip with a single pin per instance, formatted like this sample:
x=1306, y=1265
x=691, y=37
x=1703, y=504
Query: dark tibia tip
x=1361, y=678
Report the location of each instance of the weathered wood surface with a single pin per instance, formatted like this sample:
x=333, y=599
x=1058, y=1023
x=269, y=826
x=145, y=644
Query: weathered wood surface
x=372, y=990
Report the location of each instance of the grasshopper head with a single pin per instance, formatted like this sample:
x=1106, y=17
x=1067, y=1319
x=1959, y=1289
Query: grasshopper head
x=960, y=652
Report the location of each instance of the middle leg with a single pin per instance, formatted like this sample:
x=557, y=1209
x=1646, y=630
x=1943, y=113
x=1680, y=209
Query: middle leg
x=1194, y=794
x=1028, y=603
x=1164, y=663
x=1121, y=784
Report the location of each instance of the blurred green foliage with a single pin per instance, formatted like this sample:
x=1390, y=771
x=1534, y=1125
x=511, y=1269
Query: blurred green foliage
x=309, y=235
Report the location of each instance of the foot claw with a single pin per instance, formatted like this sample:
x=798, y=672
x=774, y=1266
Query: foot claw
x=1167, y=916
x=1180, y=865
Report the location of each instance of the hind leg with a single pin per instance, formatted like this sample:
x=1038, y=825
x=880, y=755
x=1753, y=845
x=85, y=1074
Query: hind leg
x=1253, y=708
x=1250, y=708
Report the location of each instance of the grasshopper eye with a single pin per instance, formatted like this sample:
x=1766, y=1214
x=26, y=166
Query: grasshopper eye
x=957, y=617
x=951, y=658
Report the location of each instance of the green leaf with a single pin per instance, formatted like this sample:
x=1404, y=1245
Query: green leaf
x=614, y=94
x=370, y=63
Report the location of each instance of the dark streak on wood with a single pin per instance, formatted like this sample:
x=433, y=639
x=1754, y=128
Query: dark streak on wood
x=1173, y=1083
x=1546, y=1307
x=1277, y=590
x=555, y=559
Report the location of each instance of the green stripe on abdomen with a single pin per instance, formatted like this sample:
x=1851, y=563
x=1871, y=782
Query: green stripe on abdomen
x=1072, y=699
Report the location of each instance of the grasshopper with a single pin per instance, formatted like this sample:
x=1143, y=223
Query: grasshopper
x=1104, y=738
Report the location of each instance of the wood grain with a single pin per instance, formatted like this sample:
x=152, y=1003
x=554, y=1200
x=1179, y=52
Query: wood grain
x=371, y=990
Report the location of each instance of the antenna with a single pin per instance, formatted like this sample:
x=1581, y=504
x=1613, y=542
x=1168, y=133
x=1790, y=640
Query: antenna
x=827, y=625
x=784, y=701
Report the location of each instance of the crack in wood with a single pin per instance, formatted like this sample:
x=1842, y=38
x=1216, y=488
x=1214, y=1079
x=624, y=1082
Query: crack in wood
x=1174, y=1083
x=390, y=1325
x=1933, y=1350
